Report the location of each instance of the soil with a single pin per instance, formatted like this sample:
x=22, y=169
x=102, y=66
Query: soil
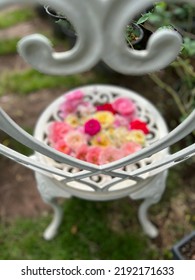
x=18, y=193
x=188, y=249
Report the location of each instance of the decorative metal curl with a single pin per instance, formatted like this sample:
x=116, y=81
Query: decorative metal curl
x=100, y=28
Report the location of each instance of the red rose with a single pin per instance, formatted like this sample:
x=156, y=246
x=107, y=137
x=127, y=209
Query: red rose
x=106, y=107
x=139, y=125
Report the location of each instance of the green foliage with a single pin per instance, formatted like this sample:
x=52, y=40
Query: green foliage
x=188, y=47
x=28, y=81
x=11, y=18
x=132, y=33
x=171, y=14
x=181, y=90
x=8, y=46
x=160, y=15
x=144, y=18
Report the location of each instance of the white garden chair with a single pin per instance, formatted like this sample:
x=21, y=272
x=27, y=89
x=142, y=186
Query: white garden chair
x=141, y=175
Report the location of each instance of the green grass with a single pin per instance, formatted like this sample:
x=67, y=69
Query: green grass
x=8, y=46
x=8, y=19
x=86, y=233
x=28, y=81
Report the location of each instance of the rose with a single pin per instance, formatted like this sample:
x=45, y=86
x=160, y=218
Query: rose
x=92, y=127
x=130, y=148
x=136, y=136
x=62, y=147
x=75, y=96
x=120, y=121
x=106, y=107
x=139, y=125
x=85, y=108
x=72, y=100
x=72, y=120
x=93, y=155
x=82, y=152
x=101, y=139
x=75, y=139
x=57, y=130
x=110, y=154
x=105, y=118
x=124, y=106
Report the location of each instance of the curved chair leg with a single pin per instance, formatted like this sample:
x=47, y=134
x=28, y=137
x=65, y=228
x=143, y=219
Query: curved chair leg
x=151, y=194
x=50, y=189
x=52, y=229
x=147, y=225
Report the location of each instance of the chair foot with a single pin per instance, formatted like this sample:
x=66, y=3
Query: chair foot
x=52, y=230
x=151, y=194
x=147, y=225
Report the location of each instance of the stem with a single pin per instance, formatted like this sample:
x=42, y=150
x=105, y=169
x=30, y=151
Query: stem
x=170, y=91
x=129, y=42
x=188, y=69
x=186, y=33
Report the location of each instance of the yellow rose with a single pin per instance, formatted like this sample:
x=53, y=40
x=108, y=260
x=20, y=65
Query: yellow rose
x=72, y=120
x=101, y=140
x=105, y=118
x=136, y=136
x=119, y=136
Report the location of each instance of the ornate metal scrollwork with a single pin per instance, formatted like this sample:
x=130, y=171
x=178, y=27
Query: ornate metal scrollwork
x=100, y=37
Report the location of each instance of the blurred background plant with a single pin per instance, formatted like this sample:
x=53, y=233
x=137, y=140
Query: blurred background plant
x=178, y=80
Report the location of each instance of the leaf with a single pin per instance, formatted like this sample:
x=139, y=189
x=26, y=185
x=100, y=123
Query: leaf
x=189, y=46
x=144, y=18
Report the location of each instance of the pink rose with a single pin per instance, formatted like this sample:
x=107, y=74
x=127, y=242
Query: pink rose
x=110, y=154
x=72, y=101
x=86, y=108
x=82, y=152
x=124, y=106
x=92, y=127
x=74, y=96
x=93, y=155
x=75, y=139
x=62, y=147
x=120, y=121
x=139, y=125
x=57, y=131
x=130, y=148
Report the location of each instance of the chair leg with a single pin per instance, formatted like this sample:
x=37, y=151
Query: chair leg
x=52, y=230
x=151, y=194
x=49, y=190
x=147, y=225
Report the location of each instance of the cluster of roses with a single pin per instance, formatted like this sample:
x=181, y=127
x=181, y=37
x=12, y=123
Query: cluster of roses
x=98, y=134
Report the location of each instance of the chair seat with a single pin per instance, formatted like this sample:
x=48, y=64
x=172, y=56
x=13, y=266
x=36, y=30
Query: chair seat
x=99, y=185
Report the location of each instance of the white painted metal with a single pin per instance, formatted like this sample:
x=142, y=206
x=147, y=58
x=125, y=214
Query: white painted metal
x=100, y=36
